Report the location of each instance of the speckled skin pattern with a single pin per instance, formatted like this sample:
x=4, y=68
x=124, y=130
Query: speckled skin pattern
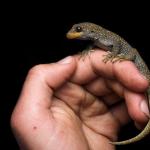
x=119, y=50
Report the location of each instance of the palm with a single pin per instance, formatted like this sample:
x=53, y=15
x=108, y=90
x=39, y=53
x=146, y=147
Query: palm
x=82, y=120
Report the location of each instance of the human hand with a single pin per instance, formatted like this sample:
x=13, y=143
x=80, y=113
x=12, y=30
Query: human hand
x=76, y=104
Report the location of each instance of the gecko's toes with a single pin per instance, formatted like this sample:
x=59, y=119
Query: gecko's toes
x=108, y=57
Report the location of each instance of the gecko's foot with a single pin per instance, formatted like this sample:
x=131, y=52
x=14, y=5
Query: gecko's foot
x=119, y=58
x=109, y=57
x=85, y=53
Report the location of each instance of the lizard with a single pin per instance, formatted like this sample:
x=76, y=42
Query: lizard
x=118, y=50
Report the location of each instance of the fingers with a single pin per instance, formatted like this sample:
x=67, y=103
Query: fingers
x=125, y=72
x=98, y=87
x=93, y=66
x=72, y=94
x=125, y=75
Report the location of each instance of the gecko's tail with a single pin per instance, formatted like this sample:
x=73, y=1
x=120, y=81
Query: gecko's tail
x=141, y=135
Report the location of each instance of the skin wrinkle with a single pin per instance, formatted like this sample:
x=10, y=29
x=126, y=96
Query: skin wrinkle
x=111, y=99
x=91, y=139
x=115, y=87
x=65, y=102
x=93, y=130
x=107, y=84
x=110, y=136
x=55, y=107
x=98, y=84
x=102, y=109
x=81, y=99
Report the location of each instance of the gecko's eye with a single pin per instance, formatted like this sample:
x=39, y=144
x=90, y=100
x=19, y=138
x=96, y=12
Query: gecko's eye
x=78, y=29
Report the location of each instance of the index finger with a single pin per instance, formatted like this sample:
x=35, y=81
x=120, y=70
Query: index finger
x=125, y=72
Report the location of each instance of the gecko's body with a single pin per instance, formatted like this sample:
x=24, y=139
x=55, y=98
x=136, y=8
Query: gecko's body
x=119, y=50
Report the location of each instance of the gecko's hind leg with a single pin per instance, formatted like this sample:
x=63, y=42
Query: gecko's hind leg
x=115, y=58
x=120, y=58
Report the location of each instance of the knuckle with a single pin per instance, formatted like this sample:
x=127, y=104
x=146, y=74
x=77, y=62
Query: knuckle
x=16, y=120
x=37, y=70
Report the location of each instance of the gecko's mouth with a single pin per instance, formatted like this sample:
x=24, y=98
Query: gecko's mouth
x=74, y=35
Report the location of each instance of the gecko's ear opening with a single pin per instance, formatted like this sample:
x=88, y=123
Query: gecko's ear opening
x=74, y=35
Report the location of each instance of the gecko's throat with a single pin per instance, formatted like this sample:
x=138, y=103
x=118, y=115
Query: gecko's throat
x=74, y=35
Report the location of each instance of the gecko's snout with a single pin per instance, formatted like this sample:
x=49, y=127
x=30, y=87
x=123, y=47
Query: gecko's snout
x=74, y=35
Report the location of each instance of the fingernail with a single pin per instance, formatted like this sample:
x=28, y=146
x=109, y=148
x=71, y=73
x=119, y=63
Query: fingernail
x=144, y=108
x=66, y=60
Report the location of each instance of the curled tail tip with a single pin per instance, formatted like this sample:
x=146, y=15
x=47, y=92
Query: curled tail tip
x=116, y=143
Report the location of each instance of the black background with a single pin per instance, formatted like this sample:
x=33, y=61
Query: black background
x=35, y=34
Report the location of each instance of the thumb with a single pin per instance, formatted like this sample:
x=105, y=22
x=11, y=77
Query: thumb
x=40, y=84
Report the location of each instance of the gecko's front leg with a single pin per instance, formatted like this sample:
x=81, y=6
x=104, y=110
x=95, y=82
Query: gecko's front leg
x=109, y=57
x=86, y=52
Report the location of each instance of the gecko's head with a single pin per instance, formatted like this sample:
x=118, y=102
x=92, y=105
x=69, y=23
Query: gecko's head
x=84, y=31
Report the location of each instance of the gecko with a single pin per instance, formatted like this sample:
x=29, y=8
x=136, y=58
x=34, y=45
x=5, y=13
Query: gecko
x=118, y=50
